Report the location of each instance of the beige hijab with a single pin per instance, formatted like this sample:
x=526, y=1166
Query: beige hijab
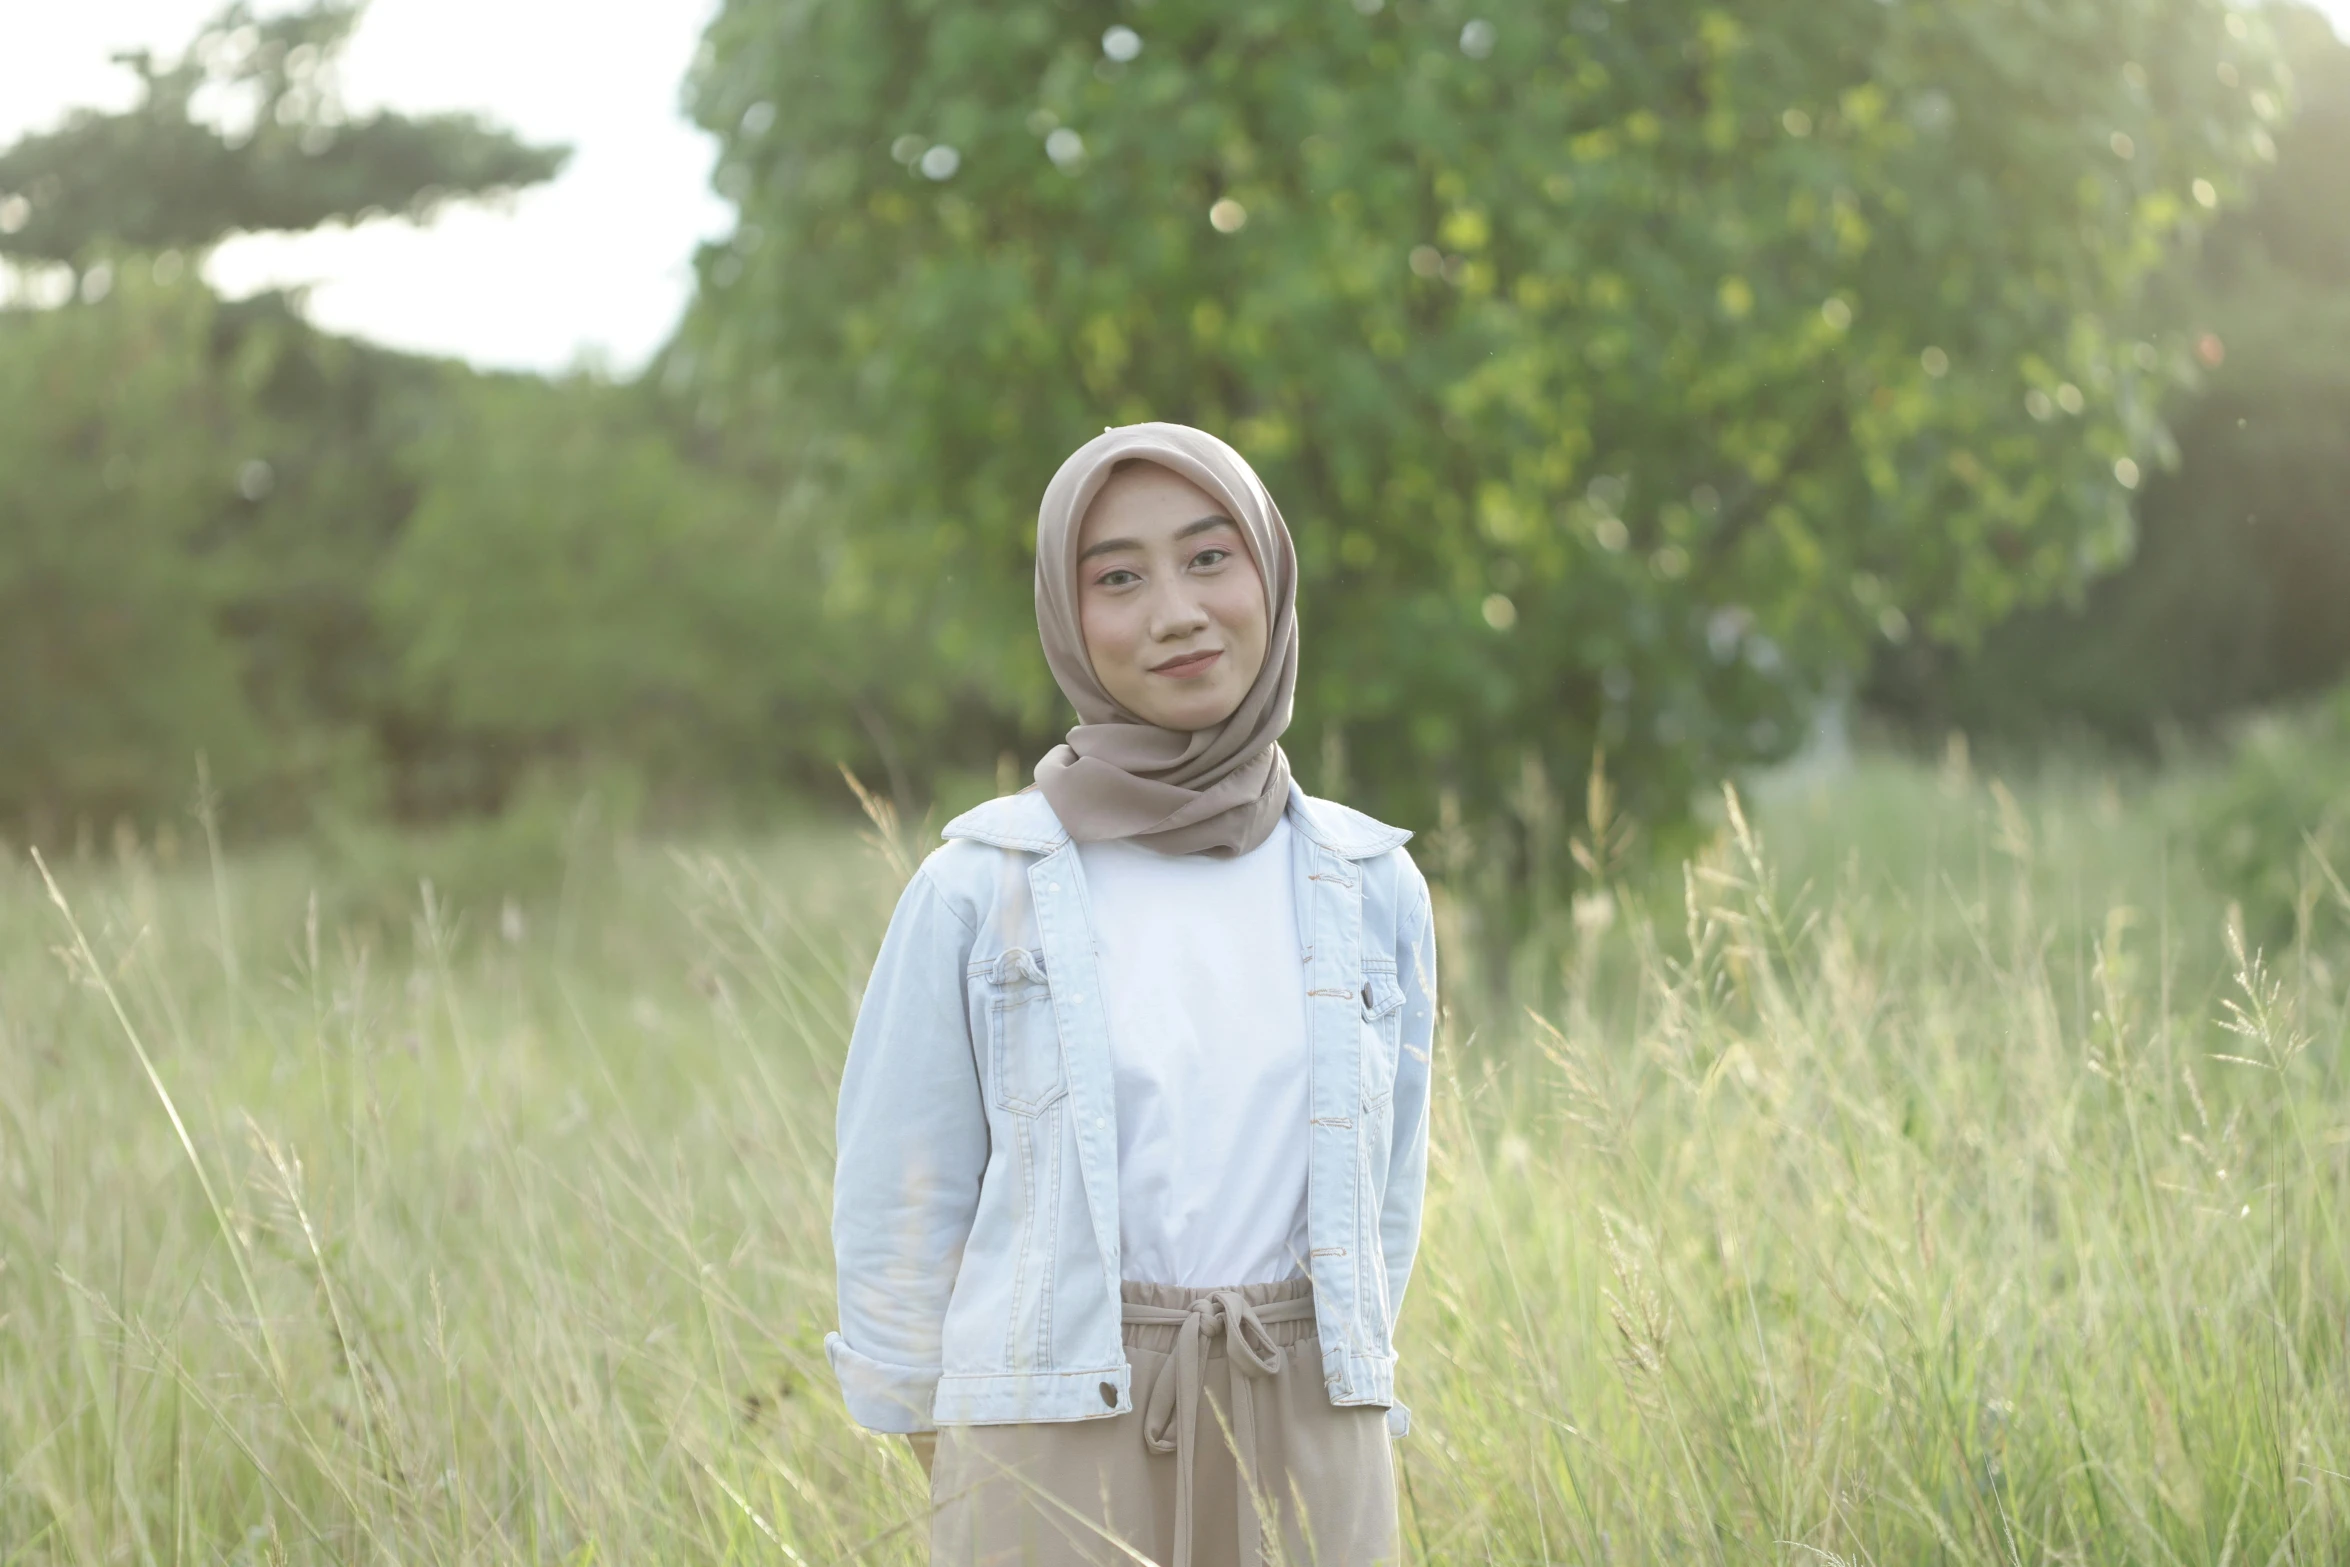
x=1213, y=791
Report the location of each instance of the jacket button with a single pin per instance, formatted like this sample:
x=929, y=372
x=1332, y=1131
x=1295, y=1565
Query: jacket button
x=1110, y=1394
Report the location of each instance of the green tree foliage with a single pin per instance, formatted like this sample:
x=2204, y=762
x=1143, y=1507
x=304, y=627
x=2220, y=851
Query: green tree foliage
x=1627, y=372
x=197, y=497
x=195, y=501
x=578, y=584
x=331, y=486
x=122, y=440
x=2236, y=593
x=244, y=132
x=371, y=584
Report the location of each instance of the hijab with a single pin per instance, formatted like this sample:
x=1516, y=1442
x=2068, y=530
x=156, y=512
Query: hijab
x=1220, y=790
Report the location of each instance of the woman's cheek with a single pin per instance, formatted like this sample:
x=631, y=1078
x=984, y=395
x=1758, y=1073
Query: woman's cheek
x=1244, y=618
x=1104, y=641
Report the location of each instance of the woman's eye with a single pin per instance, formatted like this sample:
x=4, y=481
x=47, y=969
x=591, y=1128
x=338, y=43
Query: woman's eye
x=1115, y=579
x=1211, y=557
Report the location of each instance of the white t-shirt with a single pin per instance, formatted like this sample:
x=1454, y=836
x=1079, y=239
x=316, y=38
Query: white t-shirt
x=1206, y=992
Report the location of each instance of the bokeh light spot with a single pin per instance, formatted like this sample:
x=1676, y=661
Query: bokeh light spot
x=1725, y=631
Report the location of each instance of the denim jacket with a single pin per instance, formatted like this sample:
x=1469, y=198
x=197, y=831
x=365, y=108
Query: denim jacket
x=975, y=1211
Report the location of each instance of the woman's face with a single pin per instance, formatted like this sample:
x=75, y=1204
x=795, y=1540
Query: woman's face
x=1172, y=606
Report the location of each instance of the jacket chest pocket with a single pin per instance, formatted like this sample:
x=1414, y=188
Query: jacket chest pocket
x=1023, y=1039
x=1382, y=1001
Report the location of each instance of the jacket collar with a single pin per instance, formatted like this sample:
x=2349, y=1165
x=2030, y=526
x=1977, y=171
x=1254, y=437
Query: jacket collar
x=1024, y=821
x=1014, y=821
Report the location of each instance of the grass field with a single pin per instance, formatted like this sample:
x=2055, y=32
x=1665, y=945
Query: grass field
x=1924, y=1177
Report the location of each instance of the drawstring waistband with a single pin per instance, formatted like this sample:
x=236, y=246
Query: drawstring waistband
x=1170, y=1418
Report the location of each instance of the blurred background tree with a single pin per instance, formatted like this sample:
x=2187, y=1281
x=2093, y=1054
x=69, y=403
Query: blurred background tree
x=1633, y=377
x=211, y=514
x=245, y=131
x=2236, y=593
x=581, y=581
x=202, y=494
x=113, y=426
x=1629, y=374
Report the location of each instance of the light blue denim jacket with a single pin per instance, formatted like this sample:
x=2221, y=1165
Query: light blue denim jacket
x=975, y=1212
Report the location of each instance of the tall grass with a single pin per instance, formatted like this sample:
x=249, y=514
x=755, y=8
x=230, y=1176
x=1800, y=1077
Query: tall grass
x=1923, y=1176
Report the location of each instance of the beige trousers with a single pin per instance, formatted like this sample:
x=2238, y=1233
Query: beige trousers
x=1226, y=1382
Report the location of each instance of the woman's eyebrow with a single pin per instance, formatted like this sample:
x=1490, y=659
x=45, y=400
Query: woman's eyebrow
x=1107, y=546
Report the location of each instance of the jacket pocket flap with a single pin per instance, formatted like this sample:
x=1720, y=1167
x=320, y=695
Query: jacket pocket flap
x=1017, y=965
x=1382, y=995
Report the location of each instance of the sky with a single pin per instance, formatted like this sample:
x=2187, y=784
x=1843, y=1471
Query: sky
x=593, y=267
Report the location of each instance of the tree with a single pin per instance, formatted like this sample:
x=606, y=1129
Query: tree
x=196, y=497
x=576, y=585
x=2235, y=593
x=121, y=449
x=161, y=176
x=1627, y=372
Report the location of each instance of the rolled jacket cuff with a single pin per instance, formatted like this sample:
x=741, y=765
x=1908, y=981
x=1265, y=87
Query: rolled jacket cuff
x=881, y=1395
x=1399, y=1420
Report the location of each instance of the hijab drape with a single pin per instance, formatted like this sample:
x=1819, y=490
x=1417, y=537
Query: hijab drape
x=1218, y=790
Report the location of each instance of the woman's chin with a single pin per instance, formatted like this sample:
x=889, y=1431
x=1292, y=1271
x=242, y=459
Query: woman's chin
x=1201, y=713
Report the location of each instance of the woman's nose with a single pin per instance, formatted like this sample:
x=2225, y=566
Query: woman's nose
x=1176, y=613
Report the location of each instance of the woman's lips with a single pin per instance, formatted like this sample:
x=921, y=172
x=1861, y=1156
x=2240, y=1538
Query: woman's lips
x=1188, y=665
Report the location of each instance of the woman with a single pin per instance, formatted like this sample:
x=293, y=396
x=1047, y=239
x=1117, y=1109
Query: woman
x=1133, y=1130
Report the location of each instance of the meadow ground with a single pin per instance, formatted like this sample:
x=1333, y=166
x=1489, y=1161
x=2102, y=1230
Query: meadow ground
x=1925, y=1176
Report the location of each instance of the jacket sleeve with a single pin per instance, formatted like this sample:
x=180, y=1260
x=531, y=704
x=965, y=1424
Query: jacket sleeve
x=1407, y=1165
x=913, y=1143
